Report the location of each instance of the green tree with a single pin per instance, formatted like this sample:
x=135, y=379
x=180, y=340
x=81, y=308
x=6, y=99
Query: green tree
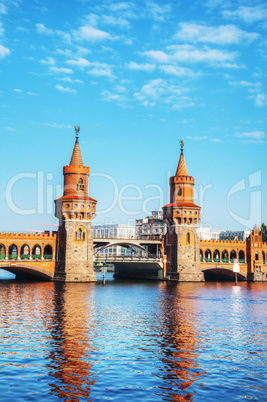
x=264, y=232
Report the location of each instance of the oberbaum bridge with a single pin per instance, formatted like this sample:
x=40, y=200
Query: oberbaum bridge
x=69, y=254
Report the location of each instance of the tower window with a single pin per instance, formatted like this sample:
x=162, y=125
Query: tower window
x=188, y=238
x=179, y=191
x=80, y=184
x=79, y=235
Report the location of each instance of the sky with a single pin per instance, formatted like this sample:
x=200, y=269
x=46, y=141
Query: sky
x=136, y=76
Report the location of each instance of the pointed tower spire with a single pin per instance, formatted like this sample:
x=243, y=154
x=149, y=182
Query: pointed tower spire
x=181, y=168
x=76, y=159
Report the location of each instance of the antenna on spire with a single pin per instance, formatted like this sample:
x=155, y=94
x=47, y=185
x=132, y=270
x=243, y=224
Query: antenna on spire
x=182, y=145
x=77, y=130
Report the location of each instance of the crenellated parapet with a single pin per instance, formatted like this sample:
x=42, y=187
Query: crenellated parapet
x=31, y=236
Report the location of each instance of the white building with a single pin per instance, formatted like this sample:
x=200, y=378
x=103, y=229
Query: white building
x=152, y=225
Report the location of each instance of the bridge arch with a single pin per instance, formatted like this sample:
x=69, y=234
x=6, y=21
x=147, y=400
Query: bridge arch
x=225, y=256
x=222, y=273
x=216, y=256
x=36, y=252
x=232, y=255
x=128, y=245
x=241, y=256
x=208, y=255
x=2, y=251
x=13, y=251
x=48, y=252
x=25, y=251
x=27, y=270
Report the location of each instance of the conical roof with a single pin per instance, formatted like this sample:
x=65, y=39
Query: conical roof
x=76, y=159
x=181, y=168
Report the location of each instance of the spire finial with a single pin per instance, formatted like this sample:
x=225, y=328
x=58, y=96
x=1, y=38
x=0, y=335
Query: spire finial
x=77, y=130
x=182, y=145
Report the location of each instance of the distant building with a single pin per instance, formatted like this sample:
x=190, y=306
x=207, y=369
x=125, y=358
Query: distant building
x=215, y=234
x=232, y=235
x=152, y=225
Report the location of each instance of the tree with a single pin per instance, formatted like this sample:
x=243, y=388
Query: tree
x=264, y=232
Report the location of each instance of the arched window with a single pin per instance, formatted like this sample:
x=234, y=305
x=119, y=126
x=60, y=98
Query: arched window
x=216, y=256
x=2, y=252
x=25, y=252
x=225, y=256
x=80, y=184
x=179, y=191
x=241, y=256
x=80, y=235
x=188, y=238
x=48, y=252
x=232, y=255
x=201, y=255
x=36, y=252
x=13, y=251
x=257, y=257
x=208, y=256
x=263, y=257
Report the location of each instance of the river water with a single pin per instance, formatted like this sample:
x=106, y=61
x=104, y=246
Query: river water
x=135, y=340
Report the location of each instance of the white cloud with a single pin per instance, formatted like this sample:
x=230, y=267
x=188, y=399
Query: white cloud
x=132, y=65
x=60, y=126
x=61, y=70
x=248, y=14
x=31, y=93
x=241, y=83
x=65, y=89
x=253, y=135
x=110, y=20
x=157, y=11
x=101, y=72
x=4, y=51
x=48, y=60
x=122, y=6
x=68, y=79
x=260, y=99
x=160, y=90
x=17, y=90
x=157, y=55
x=216, y=140
x=3, y=9
x=109, y=97
x=40, y=28
x=214, y=57
x=79, y=62
x=200, y=138
x=221, y=35
x=1, y=29
x=177, y=71
x=154, y=89
x=91, y=34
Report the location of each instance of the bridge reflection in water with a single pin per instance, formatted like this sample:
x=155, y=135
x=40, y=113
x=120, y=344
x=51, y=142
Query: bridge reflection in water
x=181, y=340
x=72, y=346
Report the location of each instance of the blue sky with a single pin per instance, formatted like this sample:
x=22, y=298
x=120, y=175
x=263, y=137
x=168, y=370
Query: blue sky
x=137, y=77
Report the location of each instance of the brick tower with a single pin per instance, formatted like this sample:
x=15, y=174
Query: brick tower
x=75, y=211
x=182, y=217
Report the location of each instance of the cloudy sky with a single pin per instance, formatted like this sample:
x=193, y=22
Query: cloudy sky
x=137, y=76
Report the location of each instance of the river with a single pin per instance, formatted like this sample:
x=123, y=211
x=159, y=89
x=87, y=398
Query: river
x=135, y=340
